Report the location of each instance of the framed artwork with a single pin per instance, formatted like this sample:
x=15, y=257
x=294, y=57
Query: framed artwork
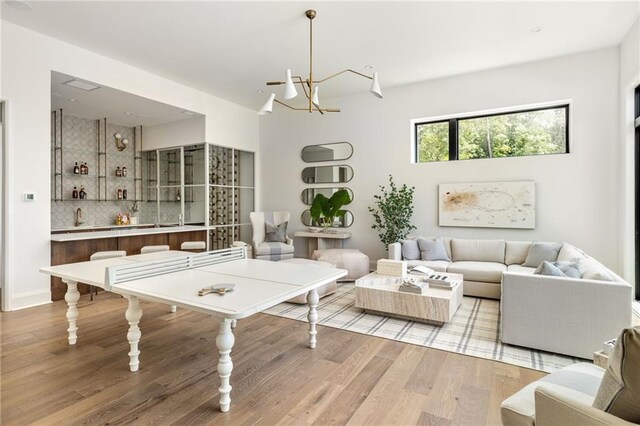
x=488, y=204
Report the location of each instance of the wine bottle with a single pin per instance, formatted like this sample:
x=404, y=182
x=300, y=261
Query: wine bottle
x=178, y=195
x=82, y=193
x=124, y=194
x=118, y=172
x=119, y=194
x=74, y=194
x=76, y=170
x=124, y=171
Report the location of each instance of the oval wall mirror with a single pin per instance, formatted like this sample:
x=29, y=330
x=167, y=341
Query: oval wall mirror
x=326, y=152
x=342, y=222
x=309, y=194
x=327, y=174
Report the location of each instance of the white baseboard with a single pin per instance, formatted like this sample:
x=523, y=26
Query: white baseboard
x=29, y=299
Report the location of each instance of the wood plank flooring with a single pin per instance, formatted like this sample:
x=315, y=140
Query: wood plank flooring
x=349, y=379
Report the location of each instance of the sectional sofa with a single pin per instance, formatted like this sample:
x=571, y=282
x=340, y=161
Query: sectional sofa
x=572, y=316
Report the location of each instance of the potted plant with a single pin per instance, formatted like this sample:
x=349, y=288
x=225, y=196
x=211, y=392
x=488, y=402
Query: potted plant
x=324, y=211
x=133, y=210
x=392, y=212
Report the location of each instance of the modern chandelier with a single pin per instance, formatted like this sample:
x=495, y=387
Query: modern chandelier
x=309, y=86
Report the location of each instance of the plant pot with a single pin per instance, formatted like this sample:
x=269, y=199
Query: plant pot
x=133, y=220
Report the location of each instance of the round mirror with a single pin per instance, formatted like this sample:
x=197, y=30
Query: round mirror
x=340, y=222
x=327, y=174
x=326, y=152
x=309, y=194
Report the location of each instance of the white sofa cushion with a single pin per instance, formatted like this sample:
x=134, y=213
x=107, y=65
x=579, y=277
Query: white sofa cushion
x=516, y=252
x=569, y=252
x=436, y=265
x=490, y=272
x=478, y=250
x=591, y=269
x=519, y=269
x=410, y=249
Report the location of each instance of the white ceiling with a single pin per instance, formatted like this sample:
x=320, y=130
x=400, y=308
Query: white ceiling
x=116, y=106
x=230, y=49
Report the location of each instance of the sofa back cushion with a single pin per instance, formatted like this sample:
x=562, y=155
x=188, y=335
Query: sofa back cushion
x=591, y=269
x=569, y=252
x=478, y=250
x=516, y=252
x=619, y=392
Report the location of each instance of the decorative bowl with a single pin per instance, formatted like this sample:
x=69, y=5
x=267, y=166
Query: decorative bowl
x=314, y=229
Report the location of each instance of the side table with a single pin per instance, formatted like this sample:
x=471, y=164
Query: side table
x=323, y=240
x=600, y=359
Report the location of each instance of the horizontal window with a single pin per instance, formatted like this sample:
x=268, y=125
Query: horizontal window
x=511, y=134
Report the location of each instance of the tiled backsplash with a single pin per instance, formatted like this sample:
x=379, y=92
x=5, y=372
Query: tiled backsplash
x=80, y=145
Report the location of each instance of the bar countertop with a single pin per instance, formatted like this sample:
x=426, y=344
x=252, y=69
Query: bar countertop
x=92, y=235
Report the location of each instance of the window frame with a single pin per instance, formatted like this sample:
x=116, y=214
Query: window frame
x=454, y=145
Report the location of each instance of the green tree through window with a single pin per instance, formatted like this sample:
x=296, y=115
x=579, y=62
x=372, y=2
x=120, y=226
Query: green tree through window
x=514, y=134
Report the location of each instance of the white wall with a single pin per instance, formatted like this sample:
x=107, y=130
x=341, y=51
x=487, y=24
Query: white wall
x=629, y=80
x=28, y=59
x=577, y=194
x=184, y=132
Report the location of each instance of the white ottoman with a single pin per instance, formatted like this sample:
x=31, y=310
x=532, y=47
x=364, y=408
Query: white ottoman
x=353, y=260
x=325, y=290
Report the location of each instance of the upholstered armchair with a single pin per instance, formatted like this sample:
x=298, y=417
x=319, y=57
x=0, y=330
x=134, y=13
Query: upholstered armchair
x=272, y=243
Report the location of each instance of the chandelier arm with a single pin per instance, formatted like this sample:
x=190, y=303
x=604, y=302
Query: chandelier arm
x=342, y=72
x=306, y=109
x=302, y=83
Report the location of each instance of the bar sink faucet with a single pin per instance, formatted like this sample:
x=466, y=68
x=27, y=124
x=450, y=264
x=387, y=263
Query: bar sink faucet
x=79, y=217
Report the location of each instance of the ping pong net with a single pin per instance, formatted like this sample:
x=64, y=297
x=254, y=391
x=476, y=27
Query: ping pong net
x=140, y=270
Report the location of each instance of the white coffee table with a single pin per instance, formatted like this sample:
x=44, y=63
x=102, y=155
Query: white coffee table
x=379, y=294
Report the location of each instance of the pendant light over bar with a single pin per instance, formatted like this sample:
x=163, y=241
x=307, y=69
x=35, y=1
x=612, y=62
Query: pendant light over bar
x=309, y=85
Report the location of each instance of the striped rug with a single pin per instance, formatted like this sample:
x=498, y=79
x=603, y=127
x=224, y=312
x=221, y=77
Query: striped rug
x=473, y=330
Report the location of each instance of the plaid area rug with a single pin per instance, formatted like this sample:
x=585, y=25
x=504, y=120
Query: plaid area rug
x=473, y=331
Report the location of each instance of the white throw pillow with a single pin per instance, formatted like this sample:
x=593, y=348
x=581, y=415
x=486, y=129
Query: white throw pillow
x=433, y=249
x=539, y=252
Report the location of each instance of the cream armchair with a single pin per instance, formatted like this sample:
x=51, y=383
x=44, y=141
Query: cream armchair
x=269, y=250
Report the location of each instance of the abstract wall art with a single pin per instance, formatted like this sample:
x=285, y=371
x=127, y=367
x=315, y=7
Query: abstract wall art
x=488, y=204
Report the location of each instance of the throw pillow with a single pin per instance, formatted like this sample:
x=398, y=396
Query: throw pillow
x=548, y=268
x=571, y=268
x=619, y=390
x=539, y=252
x=410, y=249
x=593, y=270
x=433, y=249
x=275, y=234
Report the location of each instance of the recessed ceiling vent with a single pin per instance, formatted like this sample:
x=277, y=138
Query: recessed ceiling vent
x=82, y=85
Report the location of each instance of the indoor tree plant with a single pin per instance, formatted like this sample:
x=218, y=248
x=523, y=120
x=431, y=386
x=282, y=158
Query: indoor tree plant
x=133, y=210
x=325, y=210
x=392, y=212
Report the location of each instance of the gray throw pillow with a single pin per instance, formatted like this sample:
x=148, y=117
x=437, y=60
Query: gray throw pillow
x=571, y=268
x=410, y=250
x=275, y=234
x=539, y=252
x=548, y=268
x=433, y=249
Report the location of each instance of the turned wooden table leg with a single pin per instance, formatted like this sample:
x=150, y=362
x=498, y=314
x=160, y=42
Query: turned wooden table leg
x=71, y=297
x=224, y=342
x=173, y=308
x=133, y=315
x=234, y=322
x=312, y=300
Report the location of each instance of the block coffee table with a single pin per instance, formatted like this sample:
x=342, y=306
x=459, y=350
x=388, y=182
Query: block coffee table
x=379, y=294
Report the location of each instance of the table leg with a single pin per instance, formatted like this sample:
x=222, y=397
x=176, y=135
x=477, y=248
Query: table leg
x=224, y=342
x=234, y=322
x=133, y=315
x=312, y=300
x=173, y=308
x=71, y=297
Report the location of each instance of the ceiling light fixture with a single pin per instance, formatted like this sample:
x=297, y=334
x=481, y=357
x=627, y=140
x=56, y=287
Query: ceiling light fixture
x=73, y=100
x=127, y=113
x=309, y=86
x=82, y=85
x=189, y=113
x=536, y=29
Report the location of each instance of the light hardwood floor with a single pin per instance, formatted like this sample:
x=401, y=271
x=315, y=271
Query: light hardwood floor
x=349, y=379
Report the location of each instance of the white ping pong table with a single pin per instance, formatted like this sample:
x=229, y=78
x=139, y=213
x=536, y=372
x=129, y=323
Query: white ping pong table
x=174, y=278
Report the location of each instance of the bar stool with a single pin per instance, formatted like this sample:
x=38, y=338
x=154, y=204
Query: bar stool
x=153, y=249
x=193, y=246
x=104, y=255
